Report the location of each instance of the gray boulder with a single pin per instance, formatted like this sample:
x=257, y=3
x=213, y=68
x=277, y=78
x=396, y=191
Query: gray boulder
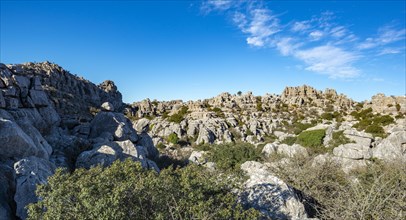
x=146, y=141
x=15, y=143
x=392, y=148
x=114, y=123
x=359, y=137
x=284, y=149
x=269, y=194
x=206, y=136
x=142, y=125
x=106, y=154
x=107, y=106
x=353, y=151
x=7, y=186
x=30, y=172
x=198, y=157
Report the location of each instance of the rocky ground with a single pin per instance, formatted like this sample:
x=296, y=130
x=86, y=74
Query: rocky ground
x=51, y=118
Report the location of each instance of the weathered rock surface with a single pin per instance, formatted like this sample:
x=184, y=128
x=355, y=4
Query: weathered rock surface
x=113, y=123
x=45, y=121
x=106, y=154
x=353, y=151
x=30, y=172
x=284, y=149
x=15, y=143
x=392, y=148
x=270, y=195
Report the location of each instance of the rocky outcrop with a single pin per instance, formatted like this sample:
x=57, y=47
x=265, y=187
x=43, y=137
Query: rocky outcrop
x=387, y=104
x=284, y=149
x=47, y=120
x=392, y=148
x=30, y=172
x=269, y=194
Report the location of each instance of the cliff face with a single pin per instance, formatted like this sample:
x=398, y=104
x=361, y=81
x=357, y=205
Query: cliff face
x=50, y=118
x=71, y=96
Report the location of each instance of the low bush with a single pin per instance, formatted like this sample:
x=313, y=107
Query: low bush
x=126, y=191
x=338, y=139
x=179, y=116
x=376, y=192
x=231, y=156
x=312, y=138
x=289, y=140
x=172, y=138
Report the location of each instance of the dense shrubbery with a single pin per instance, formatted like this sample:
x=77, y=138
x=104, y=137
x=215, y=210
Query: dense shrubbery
x=289, y=140
x=338, y=139
x=231, y=156
x=126, y=191
x=379, y=191
x=372, y=123
x=312, y=138
x=179, y=116
x=219, y=113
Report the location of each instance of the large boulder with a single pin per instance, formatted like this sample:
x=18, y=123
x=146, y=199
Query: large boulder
x=114, y=123
x=15, y=143
x=146, y=141
x=284, y=149
x=206, y=136
x=30, y=172
x=105, y=154
x=7, y=177
x=269, y=194
x=346, y=164
x=359, y=137
x=353, y=151
x=392, y=148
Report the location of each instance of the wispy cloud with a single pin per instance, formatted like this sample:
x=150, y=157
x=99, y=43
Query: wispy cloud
x=259, y=24
x=386, y=35
x=330, y=60
x=323, y=46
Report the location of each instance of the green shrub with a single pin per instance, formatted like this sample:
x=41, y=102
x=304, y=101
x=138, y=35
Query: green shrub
x=338, y=139
x=397, y=107
x=327, y=116
x=160, y=146
x=173, y=138
x=259, y=104
x=379, y=191
x=376, y=130
x=219, y=113
x=312, y=138
x=231, y=156
x=289, y=140
x=126, y=191
x=179, y=116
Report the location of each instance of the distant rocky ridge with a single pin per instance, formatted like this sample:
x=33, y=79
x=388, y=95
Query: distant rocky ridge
x=50, y=118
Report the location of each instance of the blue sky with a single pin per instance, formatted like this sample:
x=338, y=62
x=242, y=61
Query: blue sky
x=197, y=49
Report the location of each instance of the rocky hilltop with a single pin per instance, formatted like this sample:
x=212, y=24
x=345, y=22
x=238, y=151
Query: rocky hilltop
x=51, y=118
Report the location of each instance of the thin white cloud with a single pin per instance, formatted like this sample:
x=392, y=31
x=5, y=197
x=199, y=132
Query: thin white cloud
x=386, y=51
x=287, y=46
x=386, y=35
x=260, y=24
x=221, y=5
x=330, y=60
x=323, y=46
x=316, y=35
x=300, y=26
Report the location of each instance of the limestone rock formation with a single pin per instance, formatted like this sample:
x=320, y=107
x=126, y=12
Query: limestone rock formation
x=270, y=195
x=30, y=172
x=47, y=120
